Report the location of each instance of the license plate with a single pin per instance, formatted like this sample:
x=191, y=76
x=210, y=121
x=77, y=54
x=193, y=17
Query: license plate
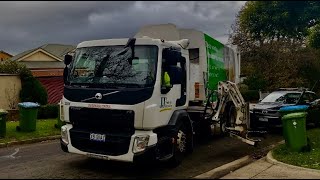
x=97, y=137
x=263, y=119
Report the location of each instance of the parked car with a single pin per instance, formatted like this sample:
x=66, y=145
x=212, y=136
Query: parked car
x=265, y=114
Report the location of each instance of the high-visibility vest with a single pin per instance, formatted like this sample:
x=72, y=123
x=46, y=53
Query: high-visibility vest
x=166, y=79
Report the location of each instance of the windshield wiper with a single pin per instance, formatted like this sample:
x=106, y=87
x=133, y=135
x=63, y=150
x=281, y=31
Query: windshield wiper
x=99, y=70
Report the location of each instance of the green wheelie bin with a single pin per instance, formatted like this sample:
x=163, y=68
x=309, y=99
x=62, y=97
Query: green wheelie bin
x=289, y=110
x=28, y=112
x=3, y=115
x=294, y=127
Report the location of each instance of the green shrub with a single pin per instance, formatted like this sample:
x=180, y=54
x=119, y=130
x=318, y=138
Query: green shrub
x=250, y=95
x=48, y=111
x=255, y=82
x=33, y=91
x=243, y=87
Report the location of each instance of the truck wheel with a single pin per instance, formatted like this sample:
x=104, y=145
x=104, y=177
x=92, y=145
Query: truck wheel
x=179, y=146
x=223, y=125
x=232, y=116
x=228, y=120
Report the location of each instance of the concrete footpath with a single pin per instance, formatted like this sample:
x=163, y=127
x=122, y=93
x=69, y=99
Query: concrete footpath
x=269, y=168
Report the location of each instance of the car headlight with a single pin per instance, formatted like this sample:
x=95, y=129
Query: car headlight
x=64, y=134
x=140, y=143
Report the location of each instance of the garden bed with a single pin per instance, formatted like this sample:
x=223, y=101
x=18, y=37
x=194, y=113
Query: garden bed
x=304, y=159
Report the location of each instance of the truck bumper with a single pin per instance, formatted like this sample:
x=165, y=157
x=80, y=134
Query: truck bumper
x=130, y=156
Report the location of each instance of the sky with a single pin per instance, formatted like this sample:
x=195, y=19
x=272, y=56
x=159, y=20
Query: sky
x=26, y=25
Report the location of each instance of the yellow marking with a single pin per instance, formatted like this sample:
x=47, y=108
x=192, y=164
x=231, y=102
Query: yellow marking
x=165, y=109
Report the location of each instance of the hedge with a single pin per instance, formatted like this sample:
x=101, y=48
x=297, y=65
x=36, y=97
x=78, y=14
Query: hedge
x=48, y=111
x=250, y=95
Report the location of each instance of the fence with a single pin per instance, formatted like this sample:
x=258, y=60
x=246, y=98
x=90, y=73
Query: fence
x=10, y=86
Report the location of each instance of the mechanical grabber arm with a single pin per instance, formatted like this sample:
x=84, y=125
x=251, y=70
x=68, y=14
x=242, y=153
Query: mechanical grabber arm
x=238, y=127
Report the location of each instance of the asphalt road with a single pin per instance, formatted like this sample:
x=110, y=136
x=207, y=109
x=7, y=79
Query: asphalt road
x=46, y=160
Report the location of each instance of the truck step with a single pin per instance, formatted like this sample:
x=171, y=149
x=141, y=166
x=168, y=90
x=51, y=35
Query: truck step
x=196, y=109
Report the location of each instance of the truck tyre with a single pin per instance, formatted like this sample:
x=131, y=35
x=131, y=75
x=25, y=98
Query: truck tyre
x=232, y=116
x=179, y=145
x=229, y=119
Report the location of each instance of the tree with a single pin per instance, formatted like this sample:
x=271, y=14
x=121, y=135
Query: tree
x=271, y=37
x=314, y=36
x=260, y=22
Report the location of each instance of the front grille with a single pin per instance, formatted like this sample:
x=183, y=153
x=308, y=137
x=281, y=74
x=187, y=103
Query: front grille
x=114, y=145
x=103, y=120
x=117, y=125
x=266, y=112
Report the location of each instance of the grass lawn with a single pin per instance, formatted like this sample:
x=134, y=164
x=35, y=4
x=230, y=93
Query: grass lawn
x=304, y=159
x=44, y=128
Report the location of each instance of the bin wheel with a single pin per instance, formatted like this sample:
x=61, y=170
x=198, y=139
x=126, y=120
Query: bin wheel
x=307, y=148
x=18, y=128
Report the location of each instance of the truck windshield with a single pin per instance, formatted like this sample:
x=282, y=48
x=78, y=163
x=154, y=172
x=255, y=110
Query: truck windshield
x=109, y=66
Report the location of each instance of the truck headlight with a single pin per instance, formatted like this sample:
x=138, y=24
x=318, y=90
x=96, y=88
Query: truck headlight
x=64, y=134
x=140, y=143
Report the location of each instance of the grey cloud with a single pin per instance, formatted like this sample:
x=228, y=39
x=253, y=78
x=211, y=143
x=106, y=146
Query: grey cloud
x=25, y=25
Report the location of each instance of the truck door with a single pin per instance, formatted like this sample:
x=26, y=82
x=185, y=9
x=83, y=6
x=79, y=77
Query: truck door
x=173, y=76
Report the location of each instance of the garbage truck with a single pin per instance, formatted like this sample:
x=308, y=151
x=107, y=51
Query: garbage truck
x=151, y=95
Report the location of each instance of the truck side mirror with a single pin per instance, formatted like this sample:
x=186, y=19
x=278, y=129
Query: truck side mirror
x=65, y=74
x=170, y=57
x=67, y=59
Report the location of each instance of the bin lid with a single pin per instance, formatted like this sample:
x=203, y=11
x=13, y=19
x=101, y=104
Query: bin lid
x=2, y=111
x=295, y=115
x=28, y=104
x=294, y=108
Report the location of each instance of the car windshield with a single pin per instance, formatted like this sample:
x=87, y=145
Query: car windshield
x=287, y=98
x=109, y=66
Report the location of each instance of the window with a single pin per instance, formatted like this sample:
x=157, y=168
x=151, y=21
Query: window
x=194, y=55
x=312, y=97
x=108, y=66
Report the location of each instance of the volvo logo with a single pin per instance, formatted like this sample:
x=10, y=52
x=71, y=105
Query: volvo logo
x=98, y=96
x=264, y=111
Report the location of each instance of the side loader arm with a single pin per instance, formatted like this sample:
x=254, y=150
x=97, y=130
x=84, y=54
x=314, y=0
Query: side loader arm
x=228, y=91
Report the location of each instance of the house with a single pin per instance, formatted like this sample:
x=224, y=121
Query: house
x=46, y=64
x=4, y=56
